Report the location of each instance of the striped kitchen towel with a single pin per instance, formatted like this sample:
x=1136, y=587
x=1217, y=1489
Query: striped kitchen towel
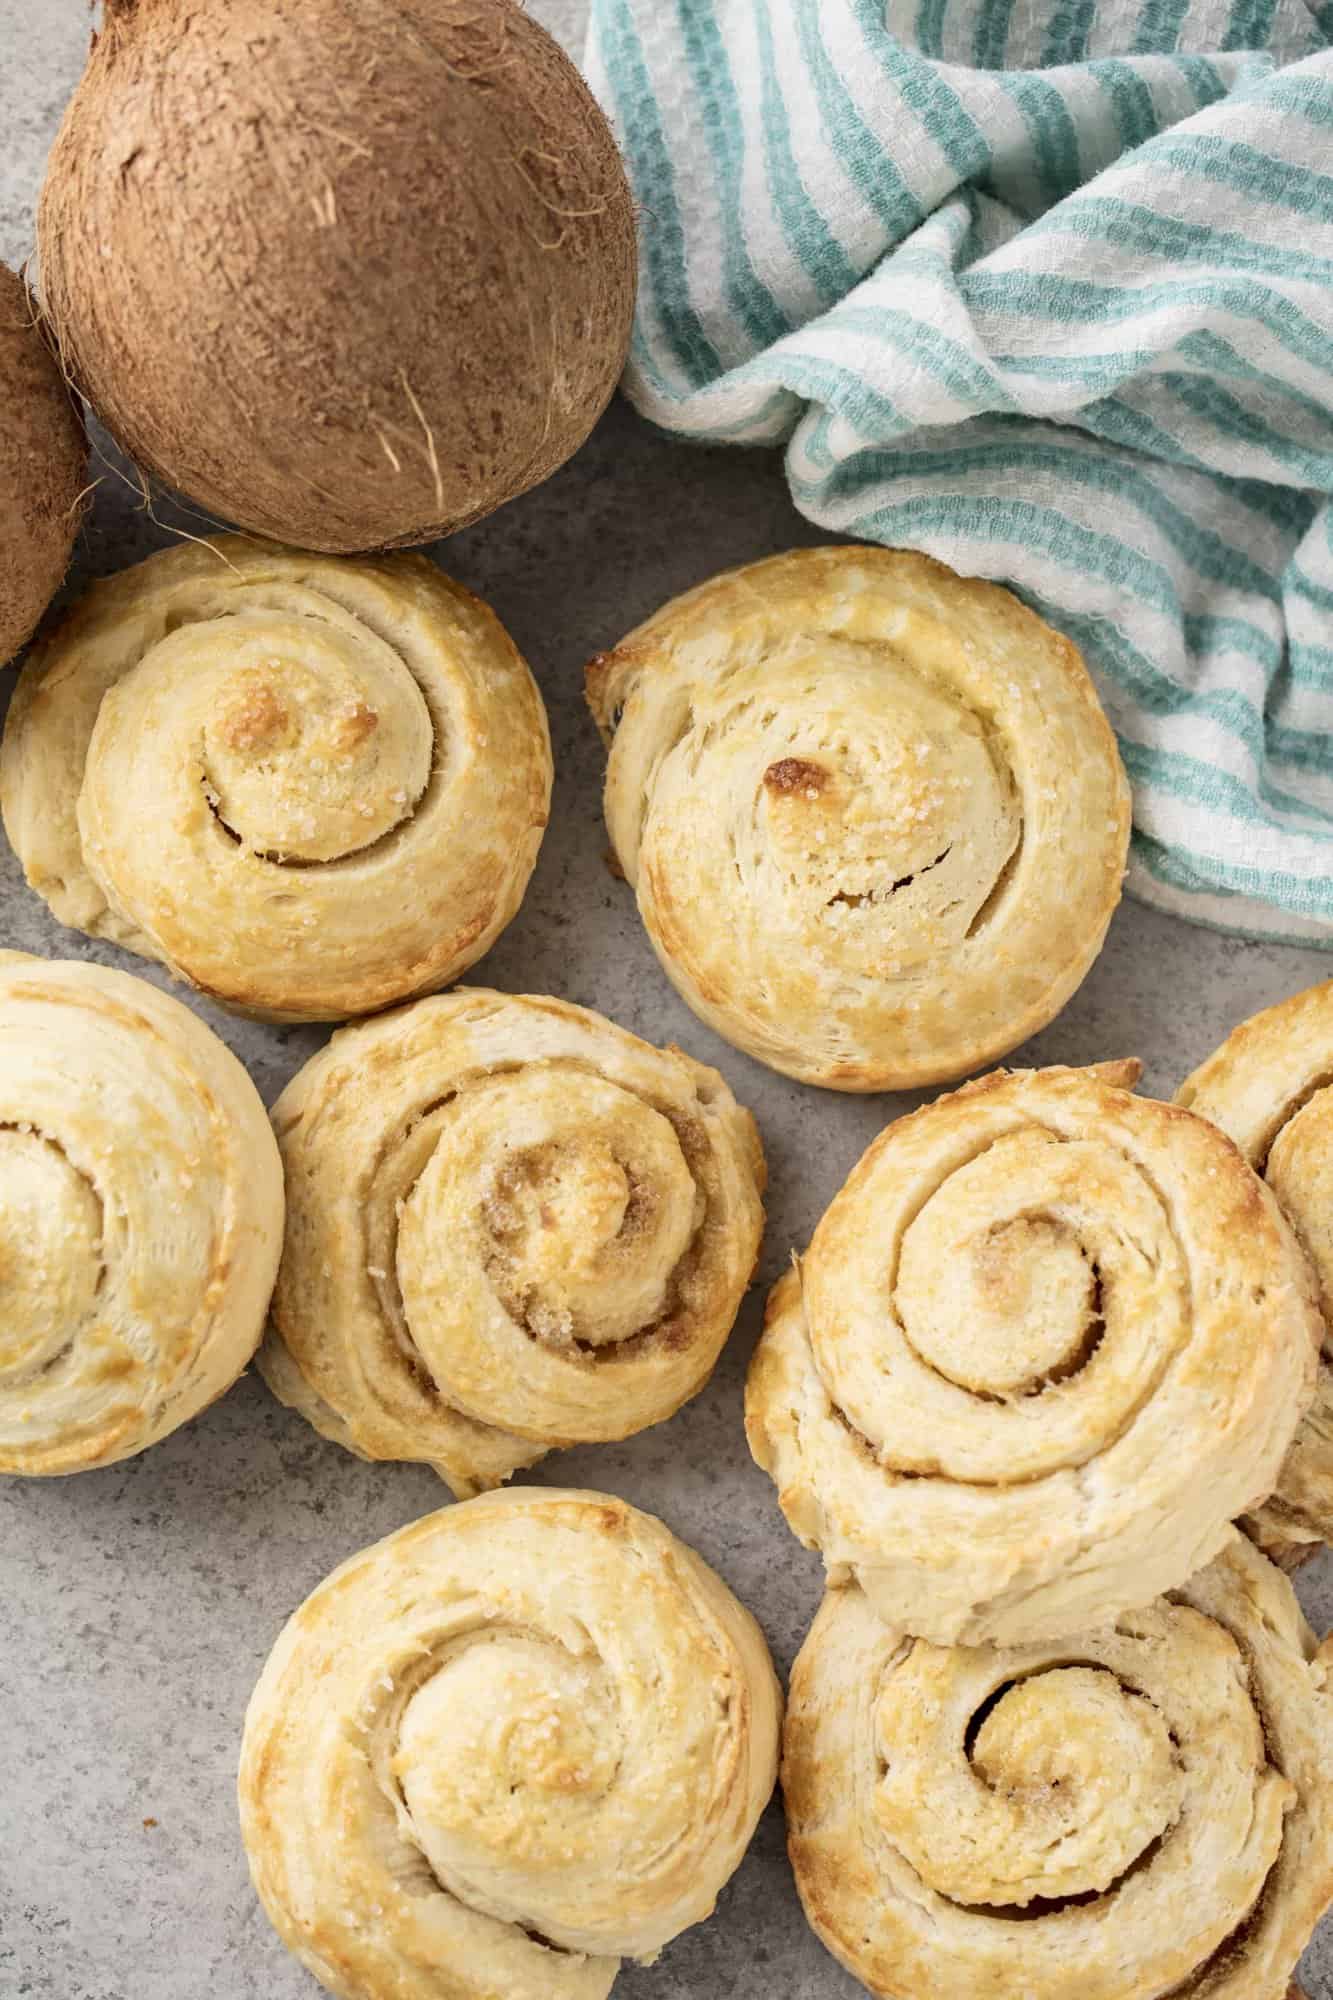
x=1044, y=287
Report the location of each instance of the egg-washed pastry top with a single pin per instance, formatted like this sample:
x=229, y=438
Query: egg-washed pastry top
x=511, y=1225
x=872, y=811
x=140, y=1215
x=507, y=1746
x=312, y=786
x=1142, y=1810
x=1048, y=1340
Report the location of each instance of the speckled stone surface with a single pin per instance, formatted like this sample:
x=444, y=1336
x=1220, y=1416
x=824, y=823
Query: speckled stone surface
x=137, y=1604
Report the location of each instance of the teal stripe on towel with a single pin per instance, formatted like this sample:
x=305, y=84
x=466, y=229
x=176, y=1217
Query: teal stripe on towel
x=747, y=294
x=1063, y=320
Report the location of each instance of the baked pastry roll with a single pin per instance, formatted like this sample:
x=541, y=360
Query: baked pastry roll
x=1141, y=1810
x=873, y=813
x=511, y=1226
x=501, y=1750
x=1270, y=1088
x=310, y=786
x=1048, y=1341
x=140, y=1215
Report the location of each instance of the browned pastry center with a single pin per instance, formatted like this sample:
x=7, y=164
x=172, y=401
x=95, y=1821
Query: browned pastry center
x=312, y=787
x=511, y=1226
x=543, y=1730
x=1047, y=1342
x=872, y=812
x=1140, y=1810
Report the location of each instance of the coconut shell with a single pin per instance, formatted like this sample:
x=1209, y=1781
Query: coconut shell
x=43, y=463
x=350, y=273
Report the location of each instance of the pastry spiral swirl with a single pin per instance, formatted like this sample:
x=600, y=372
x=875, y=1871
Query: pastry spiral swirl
x=503, y=1748
x=1142, y=1810
x=140, y=1215
x=873, y=814
x=1048, y=1340
x=311, y=787
x=1270, y=1088
x=511, y=1226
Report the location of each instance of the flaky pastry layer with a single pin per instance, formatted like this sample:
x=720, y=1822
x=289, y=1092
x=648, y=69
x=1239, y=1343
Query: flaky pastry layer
x=511, y=1226
x=140, y=1215
x=872, y=811
x=311, y=786
x=505, y=1747
x=1047, y=1342
x=1140, y=1811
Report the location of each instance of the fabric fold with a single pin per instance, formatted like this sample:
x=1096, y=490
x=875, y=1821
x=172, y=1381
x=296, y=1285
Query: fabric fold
x=1048, y=293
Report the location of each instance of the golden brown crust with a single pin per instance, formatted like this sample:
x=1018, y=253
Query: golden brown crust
x=1141, y=1810
x=1048, y=1341
x=311, y=787
x=140, y=1216
x=511, y=1743
x=872, y=811
x=1270, y=1088
x=43, y=468
x=261, y=317
x=511, y=1225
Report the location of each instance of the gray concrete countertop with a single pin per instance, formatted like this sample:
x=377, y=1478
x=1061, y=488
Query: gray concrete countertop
x=137, y=1604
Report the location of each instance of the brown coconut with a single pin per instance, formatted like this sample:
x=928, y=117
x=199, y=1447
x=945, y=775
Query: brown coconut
x=350, y=273
x=43, y=464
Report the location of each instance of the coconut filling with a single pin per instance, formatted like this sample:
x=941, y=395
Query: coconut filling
x=307, y=761
x=1049, y=1794
x=540, y=1222
x=503, y=1755
x=278, y=749
x=536, y=1767
x=1070, y=1778
x=890, y=823
x=1037, y=1296
x=835, y=801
